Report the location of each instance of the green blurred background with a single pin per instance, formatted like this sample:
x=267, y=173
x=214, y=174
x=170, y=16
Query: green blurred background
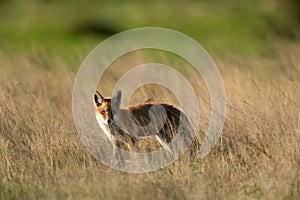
x=69, y=29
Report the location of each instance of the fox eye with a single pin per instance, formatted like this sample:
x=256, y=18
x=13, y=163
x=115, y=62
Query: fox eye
x=103, y=112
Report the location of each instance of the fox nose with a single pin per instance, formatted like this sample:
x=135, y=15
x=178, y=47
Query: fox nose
x=108, y=121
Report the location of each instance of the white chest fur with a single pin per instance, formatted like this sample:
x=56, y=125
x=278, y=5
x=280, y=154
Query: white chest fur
x=105, y=128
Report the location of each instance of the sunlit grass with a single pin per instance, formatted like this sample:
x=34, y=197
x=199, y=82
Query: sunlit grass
x=43, y=157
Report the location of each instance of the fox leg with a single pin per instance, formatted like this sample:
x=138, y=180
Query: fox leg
x=162, y=143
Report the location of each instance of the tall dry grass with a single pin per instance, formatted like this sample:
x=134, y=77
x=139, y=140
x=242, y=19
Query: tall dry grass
x=257, y=156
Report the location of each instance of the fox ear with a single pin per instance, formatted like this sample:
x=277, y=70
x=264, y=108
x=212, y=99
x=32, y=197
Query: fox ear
x=116, y=100
x=98, y=98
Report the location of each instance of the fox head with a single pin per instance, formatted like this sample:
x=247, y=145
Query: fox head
x=103, y=107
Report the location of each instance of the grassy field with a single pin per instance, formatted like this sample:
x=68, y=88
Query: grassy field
x=42, y=157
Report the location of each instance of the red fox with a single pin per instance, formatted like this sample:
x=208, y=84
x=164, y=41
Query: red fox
x=108, y=113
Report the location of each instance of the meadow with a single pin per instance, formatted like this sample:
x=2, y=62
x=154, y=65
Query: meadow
x=257, y=53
